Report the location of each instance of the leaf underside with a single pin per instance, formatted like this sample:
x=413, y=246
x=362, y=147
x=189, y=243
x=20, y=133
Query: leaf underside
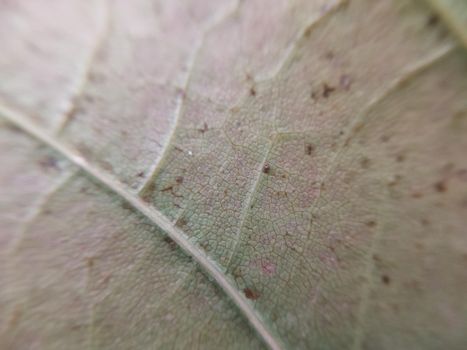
x=224, y=174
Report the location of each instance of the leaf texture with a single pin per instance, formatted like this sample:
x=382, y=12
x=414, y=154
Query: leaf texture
x=222, y=174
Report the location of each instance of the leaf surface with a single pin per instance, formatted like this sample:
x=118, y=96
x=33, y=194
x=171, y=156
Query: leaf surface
x=221, y=174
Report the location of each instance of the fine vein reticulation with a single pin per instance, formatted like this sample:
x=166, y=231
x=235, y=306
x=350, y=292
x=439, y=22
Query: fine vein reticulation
x=258, y=320
x=152, y=214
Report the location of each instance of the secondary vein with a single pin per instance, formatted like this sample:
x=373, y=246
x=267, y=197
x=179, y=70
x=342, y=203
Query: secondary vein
x=20, y=120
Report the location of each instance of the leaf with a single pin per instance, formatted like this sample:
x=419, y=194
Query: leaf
x=221, y=174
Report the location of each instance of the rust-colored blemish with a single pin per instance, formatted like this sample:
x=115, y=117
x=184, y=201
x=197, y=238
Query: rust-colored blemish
x=251, y=294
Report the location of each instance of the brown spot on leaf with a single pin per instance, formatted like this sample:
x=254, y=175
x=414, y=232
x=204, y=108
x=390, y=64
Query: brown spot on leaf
x=205, y=246
x=419, y=246
x=251, y=294
x=252, y=91
x=282, y=194
x=107, y=166
x=179, y=179
x=204, y=128
x=266, y=168
x=358, y=127
x=90, y=263
x=385, y=279
x=433, y=20
x=171, y=190
x=140, y=174
x=171, y=243
x=84, y=150
x=237, y=273
x=385, y=138
x=441, y=186
x=327, y=90
x=125, y=205
x=167, y=189
x=371, y=223
x=181, y=222
x=309, y=148
x=400, y=158
x=148, y=192
x=365, y=163
x=329, y=55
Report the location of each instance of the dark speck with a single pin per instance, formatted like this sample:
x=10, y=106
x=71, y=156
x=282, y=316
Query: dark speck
x=179, y=179
x=309, y=148
x=314, y=95
x=385, y=138
x=170, y=242
x=204, y=128
x=266, y=168
x=385, y=279
x=327, y=90
x=252, y=91
x=432, y=20
x=181, y=222
x=127, y=206
x=365, y=163
x=251, y=294
x=167, y=189
x=440, y=186
x=148, y=192
x=90, y=262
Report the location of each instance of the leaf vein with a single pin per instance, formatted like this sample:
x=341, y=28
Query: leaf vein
x=115, y=186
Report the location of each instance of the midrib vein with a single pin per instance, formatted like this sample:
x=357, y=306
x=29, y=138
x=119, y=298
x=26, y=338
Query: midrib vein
x=156, y=217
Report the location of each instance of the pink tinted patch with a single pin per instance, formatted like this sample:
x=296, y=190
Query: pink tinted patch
x=268, y=268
